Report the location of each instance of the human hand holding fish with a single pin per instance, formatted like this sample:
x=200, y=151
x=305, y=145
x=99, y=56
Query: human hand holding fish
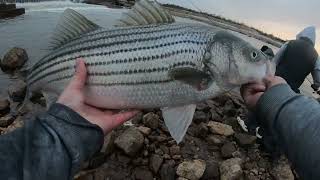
x=73, y=97
x=252, y=92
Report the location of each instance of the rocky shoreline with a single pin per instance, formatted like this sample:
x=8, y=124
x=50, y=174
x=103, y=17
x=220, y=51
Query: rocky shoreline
x=215, y=146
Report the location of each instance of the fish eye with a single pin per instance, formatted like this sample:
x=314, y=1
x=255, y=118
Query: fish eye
x=254, y=55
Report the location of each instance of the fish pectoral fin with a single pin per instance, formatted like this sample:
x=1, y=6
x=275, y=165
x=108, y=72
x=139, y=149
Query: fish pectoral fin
x=191, y=76
x=70, y=26
x=178, y=119
x=145, y=12
x=50, y=98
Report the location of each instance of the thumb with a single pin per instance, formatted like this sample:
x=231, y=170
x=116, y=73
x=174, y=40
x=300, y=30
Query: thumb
x=79, y=79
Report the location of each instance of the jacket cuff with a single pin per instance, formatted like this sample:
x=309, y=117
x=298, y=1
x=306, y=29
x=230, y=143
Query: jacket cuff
x=81, y=138
x=272, y=101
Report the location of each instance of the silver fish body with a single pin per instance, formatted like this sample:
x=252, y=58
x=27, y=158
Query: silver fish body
x=128, y=67
x=148, y=62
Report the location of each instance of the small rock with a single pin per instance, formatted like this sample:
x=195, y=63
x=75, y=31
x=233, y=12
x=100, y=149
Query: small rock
x=166, y=156
x=137, y=118
x=212, y=170
x=17, y=91
x=182, y=178
x=192, y=170
x=245, y=139
x=164, y=149
x=108, y=145
x=231, y=169
x=228, y=149
x=151, y=120
x=6, y=120
x=174, y=150
x=202, y=106
x=167, y=171
x=220, y=128
x=176, y=157
x=14, y=59
x=145, y=153
x=155, y=163
x=142, y=174
x=4, y=106
x=215, y=115
x=282, y=171
x=199, y=117
x=202, y=130
x=131, y=141
x=216, y=140
x=144, y=130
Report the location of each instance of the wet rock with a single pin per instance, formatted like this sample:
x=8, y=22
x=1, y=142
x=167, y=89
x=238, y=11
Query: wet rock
x=176, y=157
x=97, y=160
x=220, y=128
x=181, y=178
x=4, y=106
x=282, y=171
x=231, y=169
x=130, y=141
x=245, y=139
x=215, y=116
x=17, y=123
x=7, y=120
x=212, y=170
x=144, y=130
x=137, y=118
x=191, y=169
x=142, y=174
x=14, y=59
x=155, y=163
x=202, y=107
x=202, y=130
x=151, y=120
x=167, y=171
x=175, y=150
x=216, y=140
x=164, y=149
x=229, y=109
x=108, y=145
x=17, y=91
x=228, y=149
x=199, y=117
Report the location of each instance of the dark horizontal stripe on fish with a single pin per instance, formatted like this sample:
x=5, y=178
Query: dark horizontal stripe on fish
x=105, y=38
x=130, y=83
x=123, y=72
x=134, y=59
x=50, y=73
x=115, y=84
x=105, y=45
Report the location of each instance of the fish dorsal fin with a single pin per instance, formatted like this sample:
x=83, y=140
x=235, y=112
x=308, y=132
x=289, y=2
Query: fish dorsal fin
x=145, y=12
x=178, y=119
x=70, y=26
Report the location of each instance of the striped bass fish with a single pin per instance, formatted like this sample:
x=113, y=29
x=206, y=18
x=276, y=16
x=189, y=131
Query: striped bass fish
x=147, y=61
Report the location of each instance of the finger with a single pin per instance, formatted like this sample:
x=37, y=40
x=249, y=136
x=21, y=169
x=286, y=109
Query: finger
x=79, y=79
x=120, y=118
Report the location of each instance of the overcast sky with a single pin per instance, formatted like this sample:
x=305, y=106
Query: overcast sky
x=283, y=18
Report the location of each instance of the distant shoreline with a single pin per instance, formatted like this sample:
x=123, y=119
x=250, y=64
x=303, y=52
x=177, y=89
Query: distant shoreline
x=224, y=23
x=204, y=17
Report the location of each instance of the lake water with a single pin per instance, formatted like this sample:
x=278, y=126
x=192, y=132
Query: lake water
x=33, y=30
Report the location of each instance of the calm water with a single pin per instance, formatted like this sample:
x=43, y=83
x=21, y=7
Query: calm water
x=33, y=30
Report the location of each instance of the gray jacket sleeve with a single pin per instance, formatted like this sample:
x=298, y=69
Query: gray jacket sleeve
x=316, y=73
x=51, y=147
x=294, y=120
